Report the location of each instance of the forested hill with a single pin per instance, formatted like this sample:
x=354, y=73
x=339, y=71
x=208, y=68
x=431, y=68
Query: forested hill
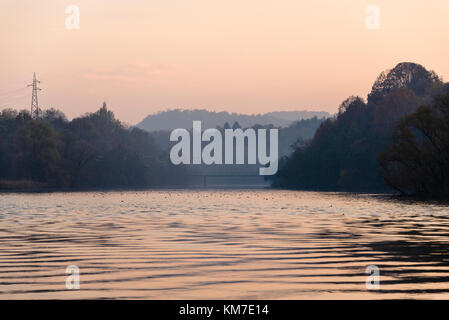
x=401, y=124
x=92, y=151
x=172, y=119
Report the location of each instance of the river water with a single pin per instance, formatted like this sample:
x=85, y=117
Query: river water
x=221, y=244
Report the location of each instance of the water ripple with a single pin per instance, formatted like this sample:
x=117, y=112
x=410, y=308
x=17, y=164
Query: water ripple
x=221, y=244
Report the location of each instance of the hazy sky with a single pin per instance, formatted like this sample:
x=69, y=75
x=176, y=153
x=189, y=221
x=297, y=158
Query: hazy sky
x=142, y=56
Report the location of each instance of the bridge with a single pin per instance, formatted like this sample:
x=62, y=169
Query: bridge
x=206, y=177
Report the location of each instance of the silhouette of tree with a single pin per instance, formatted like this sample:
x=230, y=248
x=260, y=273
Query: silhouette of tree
x=95, y=150
x=344, y=152
x=417, y=163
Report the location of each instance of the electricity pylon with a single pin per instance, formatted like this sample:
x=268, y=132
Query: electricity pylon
x=34, y=104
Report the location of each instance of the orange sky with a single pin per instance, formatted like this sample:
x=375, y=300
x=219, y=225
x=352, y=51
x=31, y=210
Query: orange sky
x=247, y=56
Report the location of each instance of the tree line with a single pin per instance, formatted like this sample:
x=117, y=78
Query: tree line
x=92, y=151
x=396, y=140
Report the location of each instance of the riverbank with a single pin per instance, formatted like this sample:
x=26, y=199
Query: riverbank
x=22, y=186
x=27, y=186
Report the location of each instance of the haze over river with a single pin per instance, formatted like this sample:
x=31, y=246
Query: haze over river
x=221, y=244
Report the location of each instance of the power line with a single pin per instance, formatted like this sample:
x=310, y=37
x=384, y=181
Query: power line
x=10, y=92
x=13, y=99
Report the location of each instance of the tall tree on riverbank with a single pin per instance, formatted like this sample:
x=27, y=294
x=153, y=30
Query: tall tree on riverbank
x=417, y=163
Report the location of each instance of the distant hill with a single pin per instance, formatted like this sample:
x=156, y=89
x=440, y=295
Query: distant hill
x=172, y=119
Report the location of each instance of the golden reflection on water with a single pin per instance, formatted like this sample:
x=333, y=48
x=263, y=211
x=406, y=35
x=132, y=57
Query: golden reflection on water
x=221, y=244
